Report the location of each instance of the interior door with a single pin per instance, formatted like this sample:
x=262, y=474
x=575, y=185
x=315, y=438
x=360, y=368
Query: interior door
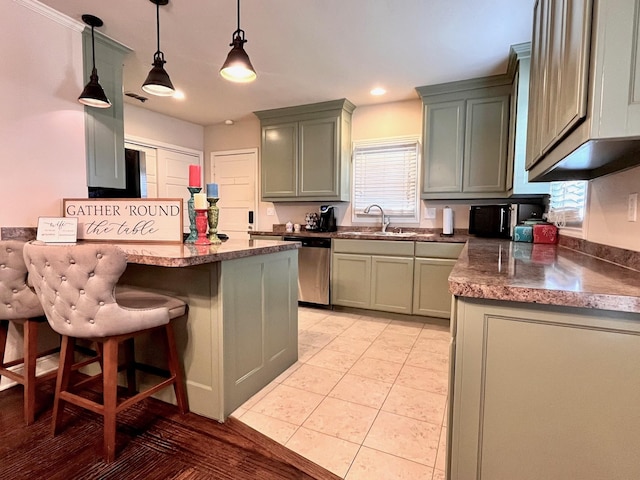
x=235, y=172
x=173, y=177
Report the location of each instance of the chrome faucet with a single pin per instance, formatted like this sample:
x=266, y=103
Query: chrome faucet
x=385, y=219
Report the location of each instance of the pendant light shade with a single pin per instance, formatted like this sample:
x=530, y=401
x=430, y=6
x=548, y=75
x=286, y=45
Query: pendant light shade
x=158, y=81
x=237, y=67
x=93, y=95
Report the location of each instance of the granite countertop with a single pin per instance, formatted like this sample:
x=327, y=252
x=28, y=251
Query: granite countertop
x=545, y=274
x=354, y=233
x=185, y=255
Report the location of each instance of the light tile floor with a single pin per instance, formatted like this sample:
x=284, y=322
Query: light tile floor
x=366, y=399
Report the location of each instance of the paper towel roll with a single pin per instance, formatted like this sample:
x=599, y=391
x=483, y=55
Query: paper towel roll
x=447, y=221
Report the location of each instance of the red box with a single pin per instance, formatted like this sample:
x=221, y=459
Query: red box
x=545, y=233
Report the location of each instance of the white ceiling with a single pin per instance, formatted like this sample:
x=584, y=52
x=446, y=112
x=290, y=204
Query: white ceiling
x=307, y=51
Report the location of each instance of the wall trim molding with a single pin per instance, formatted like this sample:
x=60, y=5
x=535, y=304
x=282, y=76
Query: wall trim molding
x=52, y=14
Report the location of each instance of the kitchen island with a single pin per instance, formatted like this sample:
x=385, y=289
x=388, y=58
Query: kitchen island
x=241, y=331
x=544, y=364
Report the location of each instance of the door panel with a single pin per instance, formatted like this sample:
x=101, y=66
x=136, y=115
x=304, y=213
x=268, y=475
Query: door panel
x=173, y=177
x=485, y=153
x=318, y=157
x=235, y=173
x=443, y=147
x=279, y=160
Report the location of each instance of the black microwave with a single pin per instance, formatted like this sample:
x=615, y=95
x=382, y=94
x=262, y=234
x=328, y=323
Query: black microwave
x=490, y=221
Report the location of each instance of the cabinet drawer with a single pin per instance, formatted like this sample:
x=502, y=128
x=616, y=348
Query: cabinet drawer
x=373, y=247
x=438, y=250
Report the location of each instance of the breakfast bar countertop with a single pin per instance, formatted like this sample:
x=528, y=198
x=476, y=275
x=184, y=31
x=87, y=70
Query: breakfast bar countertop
x=545, y=274
x=188, y=254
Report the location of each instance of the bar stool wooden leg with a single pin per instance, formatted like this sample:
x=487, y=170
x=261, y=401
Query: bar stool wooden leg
x=130, y=360
x=30, y=356
x=110, y=379
x=62, y=382
x=175, y=370
x=4, y=328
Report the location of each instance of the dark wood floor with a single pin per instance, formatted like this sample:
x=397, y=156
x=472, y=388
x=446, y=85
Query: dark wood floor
x=154, y=442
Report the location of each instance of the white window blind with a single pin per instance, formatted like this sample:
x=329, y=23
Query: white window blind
x=386, y=174
x=567, y=204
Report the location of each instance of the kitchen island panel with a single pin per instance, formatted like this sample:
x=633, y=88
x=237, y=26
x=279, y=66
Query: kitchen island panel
x=261, y=338
x=199, y=337
x=224, y=344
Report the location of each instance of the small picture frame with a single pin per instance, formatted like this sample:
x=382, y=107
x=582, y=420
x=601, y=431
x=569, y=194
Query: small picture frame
x=58, y=230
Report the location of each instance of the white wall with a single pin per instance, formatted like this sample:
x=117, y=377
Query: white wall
x=42, y=141
x=607, y=212
x=149, y=125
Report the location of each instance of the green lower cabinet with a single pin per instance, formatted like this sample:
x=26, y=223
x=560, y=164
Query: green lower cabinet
x=393, y=276
x=391, y=281
x=373, y=282
x=431, y=295
x=543, y=392
x=351, y=280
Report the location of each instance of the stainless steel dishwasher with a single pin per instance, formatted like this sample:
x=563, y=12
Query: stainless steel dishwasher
x=314, y=269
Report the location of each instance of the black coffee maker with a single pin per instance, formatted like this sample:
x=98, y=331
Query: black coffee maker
x=327, y=221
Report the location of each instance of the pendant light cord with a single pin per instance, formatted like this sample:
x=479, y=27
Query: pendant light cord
x=93, y=49
x=238, y=35
x=238, y=16
x=158, y=26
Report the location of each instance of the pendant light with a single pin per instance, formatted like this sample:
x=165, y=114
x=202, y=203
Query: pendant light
x=158, y=81
x=237, y=67
x=93, y=95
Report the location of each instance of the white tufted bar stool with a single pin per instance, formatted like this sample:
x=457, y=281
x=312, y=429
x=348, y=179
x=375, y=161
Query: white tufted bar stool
x=76, y=286
x=20, y=305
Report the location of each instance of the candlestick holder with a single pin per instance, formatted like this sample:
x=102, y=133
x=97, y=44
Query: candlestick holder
x=201, y=226
x=214, y=214
x=193, y=235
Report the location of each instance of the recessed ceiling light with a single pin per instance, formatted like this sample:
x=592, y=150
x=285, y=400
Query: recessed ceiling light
x=178, y=95
x=228, y=122
x=378, y=91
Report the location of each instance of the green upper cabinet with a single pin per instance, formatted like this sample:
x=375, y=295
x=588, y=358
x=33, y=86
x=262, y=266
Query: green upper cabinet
x=561, y=41
x=443, y=147
x=584, y=120
x=104, y=127
x=465, y=138
x=280, y=160
x=306, y=152
x=517, y=179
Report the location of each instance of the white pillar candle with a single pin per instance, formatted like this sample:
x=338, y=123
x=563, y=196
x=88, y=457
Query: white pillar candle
x=200, y=201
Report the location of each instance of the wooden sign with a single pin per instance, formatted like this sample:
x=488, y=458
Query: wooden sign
x=149, y=220
x=57, y=230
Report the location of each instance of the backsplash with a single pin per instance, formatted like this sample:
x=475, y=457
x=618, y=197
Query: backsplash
x=295, y=213
x=619, y=256
x=18, y=233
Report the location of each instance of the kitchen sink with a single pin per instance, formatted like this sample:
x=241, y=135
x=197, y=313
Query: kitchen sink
x=381, y=234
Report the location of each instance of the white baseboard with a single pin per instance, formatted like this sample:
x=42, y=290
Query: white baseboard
x=44, y=365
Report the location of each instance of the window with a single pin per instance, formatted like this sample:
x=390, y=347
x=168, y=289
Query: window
x=386, y=173
x=567, y=204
